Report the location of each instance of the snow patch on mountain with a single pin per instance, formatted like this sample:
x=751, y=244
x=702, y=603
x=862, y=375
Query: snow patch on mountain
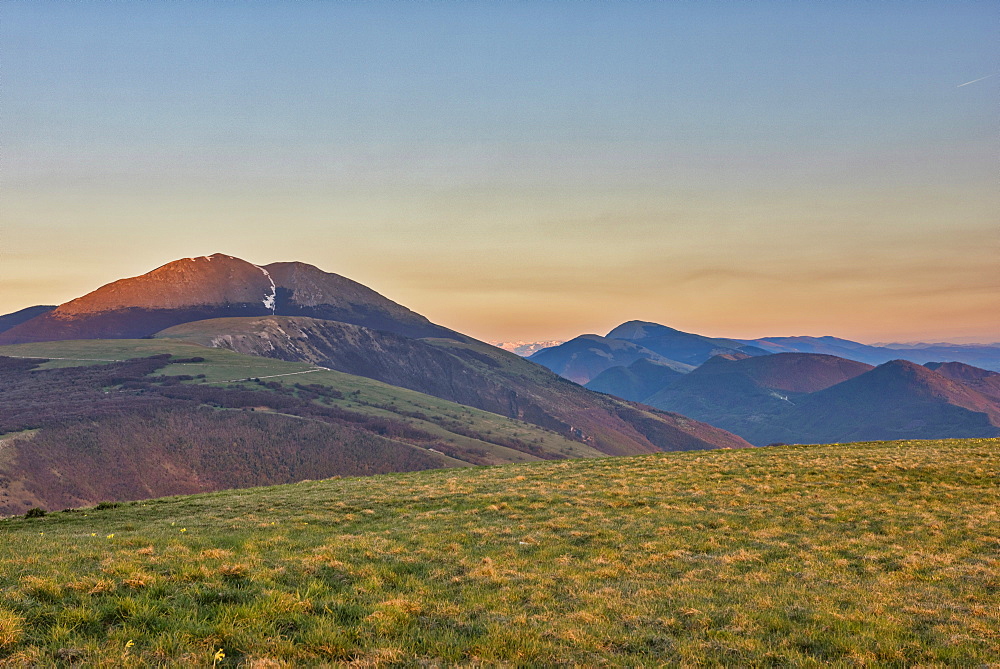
x=269, y=300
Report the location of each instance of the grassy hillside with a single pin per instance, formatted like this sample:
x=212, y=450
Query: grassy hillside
x=862, y=554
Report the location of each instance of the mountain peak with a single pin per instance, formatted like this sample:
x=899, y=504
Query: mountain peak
x=219, y=285
x=634, y=330
x=184, y=283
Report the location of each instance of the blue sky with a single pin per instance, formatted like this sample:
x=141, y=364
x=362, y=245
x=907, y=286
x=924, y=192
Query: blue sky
x=521, y=170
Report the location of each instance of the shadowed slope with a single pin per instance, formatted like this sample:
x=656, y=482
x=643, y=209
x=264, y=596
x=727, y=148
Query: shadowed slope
x=304, y=290
x=794, y=372
x=8, y=321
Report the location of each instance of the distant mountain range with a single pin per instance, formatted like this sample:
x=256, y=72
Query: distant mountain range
x=582, y=358
x=298, y=313
x=525, y=348
x=791, y=389
x=986, y=356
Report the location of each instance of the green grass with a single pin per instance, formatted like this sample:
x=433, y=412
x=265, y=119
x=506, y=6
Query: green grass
x=221, y=364
x=855, y=555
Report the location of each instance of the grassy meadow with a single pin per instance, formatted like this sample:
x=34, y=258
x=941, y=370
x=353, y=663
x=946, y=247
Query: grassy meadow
x=860, y=555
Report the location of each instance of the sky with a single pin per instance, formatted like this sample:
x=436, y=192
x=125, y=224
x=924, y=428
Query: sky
x=522, y=170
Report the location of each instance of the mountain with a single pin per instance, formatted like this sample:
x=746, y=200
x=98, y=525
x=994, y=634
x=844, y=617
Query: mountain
x=691, y=349
x=636, y=382
x=979, y=355
x=218, y=286
x=791, y=372
x=695, y=349
x=468, y=372
x=8, y=321
x=296, y=312
x=746, y=394
x=584, y=357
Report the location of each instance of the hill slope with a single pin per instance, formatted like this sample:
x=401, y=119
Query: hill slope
x=877, y=554
x=812, y=398
x=469, y=372
x=985, y=382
